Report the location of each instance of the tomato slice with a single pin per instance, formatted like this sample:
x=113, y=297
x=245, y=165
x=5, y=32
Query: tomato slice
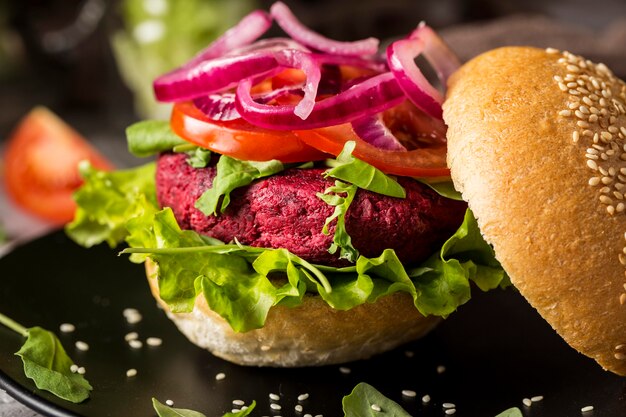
x=41, y=165
x=238, y=138
x=424, y=136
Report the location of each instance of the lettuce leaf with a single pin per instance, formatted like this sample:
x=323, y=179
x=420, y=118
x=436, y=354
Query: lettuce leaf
x=360, y=401
x=236, y=279
x=341, y=238
x=149, y=137
x=231, y=174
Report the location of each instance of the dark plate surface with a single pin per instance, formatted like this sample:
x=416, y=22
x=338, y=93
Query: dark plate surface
x=496, y=351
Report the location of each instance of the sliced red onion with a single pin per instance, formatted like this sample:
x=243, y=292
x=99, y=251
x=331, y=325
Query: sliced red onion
x=304, y=61
x=437, y=52
x=372, y=130
x=369, y=97
x=353, y=61
x=294, y=28
x=248, y=30
x=218, y=106
x=267, y=45
x=212, y=76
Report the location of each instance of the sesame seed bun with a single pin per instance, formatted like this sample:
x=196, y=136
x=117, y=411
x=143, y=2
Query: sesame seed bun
x=536, y=144
x=309, y=335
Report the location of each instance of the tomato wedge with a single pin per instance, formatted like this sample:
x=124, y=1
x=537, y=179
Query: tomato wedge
x=41, y=165
x=238, y=138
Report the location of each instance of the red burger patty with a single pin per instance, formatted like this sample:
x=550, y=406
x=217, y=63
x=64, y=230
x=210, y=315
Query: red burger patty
x=283, y=211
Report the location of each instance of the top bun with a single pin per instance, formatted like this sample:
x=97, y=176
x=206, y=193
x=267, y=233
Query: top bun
x=536, y=144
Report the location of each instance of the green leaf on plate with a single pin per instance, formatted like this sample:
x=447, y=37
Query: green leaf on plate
x=511, y=412
x=359, y=403
x=47, y=364
x=163, y=410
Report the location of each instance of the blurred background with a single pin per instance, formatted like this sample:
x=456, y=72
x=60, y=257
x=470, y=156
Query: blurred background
x=92, y=61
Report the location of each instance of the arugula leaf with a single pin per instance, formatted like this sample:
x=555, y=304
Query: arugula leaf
x=163, y=410
x=350, y=169
x=231, y=174
x=443, y=188
x=47, y=364
x=107, y=200
x=359, y=403
x=511, y=412
x=341, y=238
x=150, y=137
x=199, y=157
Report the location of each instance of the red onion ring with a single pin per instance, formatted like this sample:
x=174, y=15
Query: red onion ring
x=437, y=52
x=294, y=28
x=373, y=130
x=250, y=28
x=369, y=97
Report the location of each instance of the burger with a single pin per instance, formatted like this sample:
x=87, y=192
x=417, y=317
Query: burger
x=537, y=146
x=299, y=210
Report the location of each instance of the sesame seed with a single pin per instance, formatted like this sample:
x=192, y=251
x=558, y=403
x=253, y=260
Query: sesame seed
x=587, y=408
x=575, y=136
x=303, y=397
x=591, y=156
x=169, y=402
x=573, y=105
x=131, y=373
x=584, y=109
x=450, y=411
x=583, y=124
x=319, y=415
x=298, y=408
x=235, y=410
x=220, y=376
x=552, y=51
x=622, y=259
x=244, y=408
x=131, y=336
x=441, y=369
x=74, y=368
x=603, y=171
x=408, y=393
x=594, y=181
x=344, y=370
x=606, y=136
x=307, y=415
x=130, y=312
x=592, y=164
x=67, y=328
x=80, y=345
x=448, y=405
x=409, y=353
x=574, y=92
x=537, y=398
x=426, y=399
x=613, y=129
x=610, y=210
x=620, y=208
x=274, y=406
x=572, y=85
x=265, y=348
x=622, y=300
x=620, y=347
x=605, y=190
x=154, y=341
x=605, y=200
x=565, y=113
x=618, y=195
x=81, y=370
x=562, y=87
x=238, y=402
x=622, y=129
x=587, y=132
x=573, y=68
x=607, y=180
x=376, y=407
x=274, y=397
x=135, y=344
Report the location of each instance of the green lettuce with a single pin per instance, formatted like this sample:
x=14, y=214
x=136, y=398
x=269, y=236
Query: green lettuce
x=363, y=397
x=236, y=279
x=231, y=174
x=149, y=137
x=341, y=239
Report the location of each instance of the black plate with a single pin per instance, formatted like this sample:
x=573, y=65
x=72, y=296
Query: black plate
x=496, y=351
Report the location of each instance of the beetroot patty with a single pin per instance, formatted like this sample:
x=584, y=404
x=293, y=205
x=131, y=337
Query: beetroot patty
x=283, y=211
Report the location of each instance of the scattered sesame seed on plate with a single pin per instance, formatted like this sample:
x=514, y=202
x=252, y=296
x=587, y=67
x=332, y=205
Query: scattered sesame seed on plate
x=537, y=398
x=586, y=409
x=169, y=402
x=409, y=353
x=131, y=373
x=441, y=369
x=244, y=407
x=307, y=415
x=238, y=402
x=408, y=393
x=131, y=336
x=298, y=408
x=154, y=341
x=376, y=407
x=74, y=368
x=275, y=406
x=235, y=410
x=220, y=376
x=426, y=399
x=448, y=405
x=274, y=397
x=319, y=415
x=527, y=402
x=303, y=397
x=80, y=345
x=81, y=370
x=135, y=344
x=450, y=411
x=344, y=370
x=67, y=328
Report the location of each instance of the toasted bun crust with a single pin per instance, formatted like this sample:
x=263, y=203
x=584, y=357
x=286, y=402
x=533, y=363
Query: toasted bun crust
x=521, y=150
x=309, y=335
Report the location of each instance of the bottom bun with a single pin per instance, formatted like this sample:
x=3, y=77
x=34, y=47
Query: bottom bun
x=311, y=334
